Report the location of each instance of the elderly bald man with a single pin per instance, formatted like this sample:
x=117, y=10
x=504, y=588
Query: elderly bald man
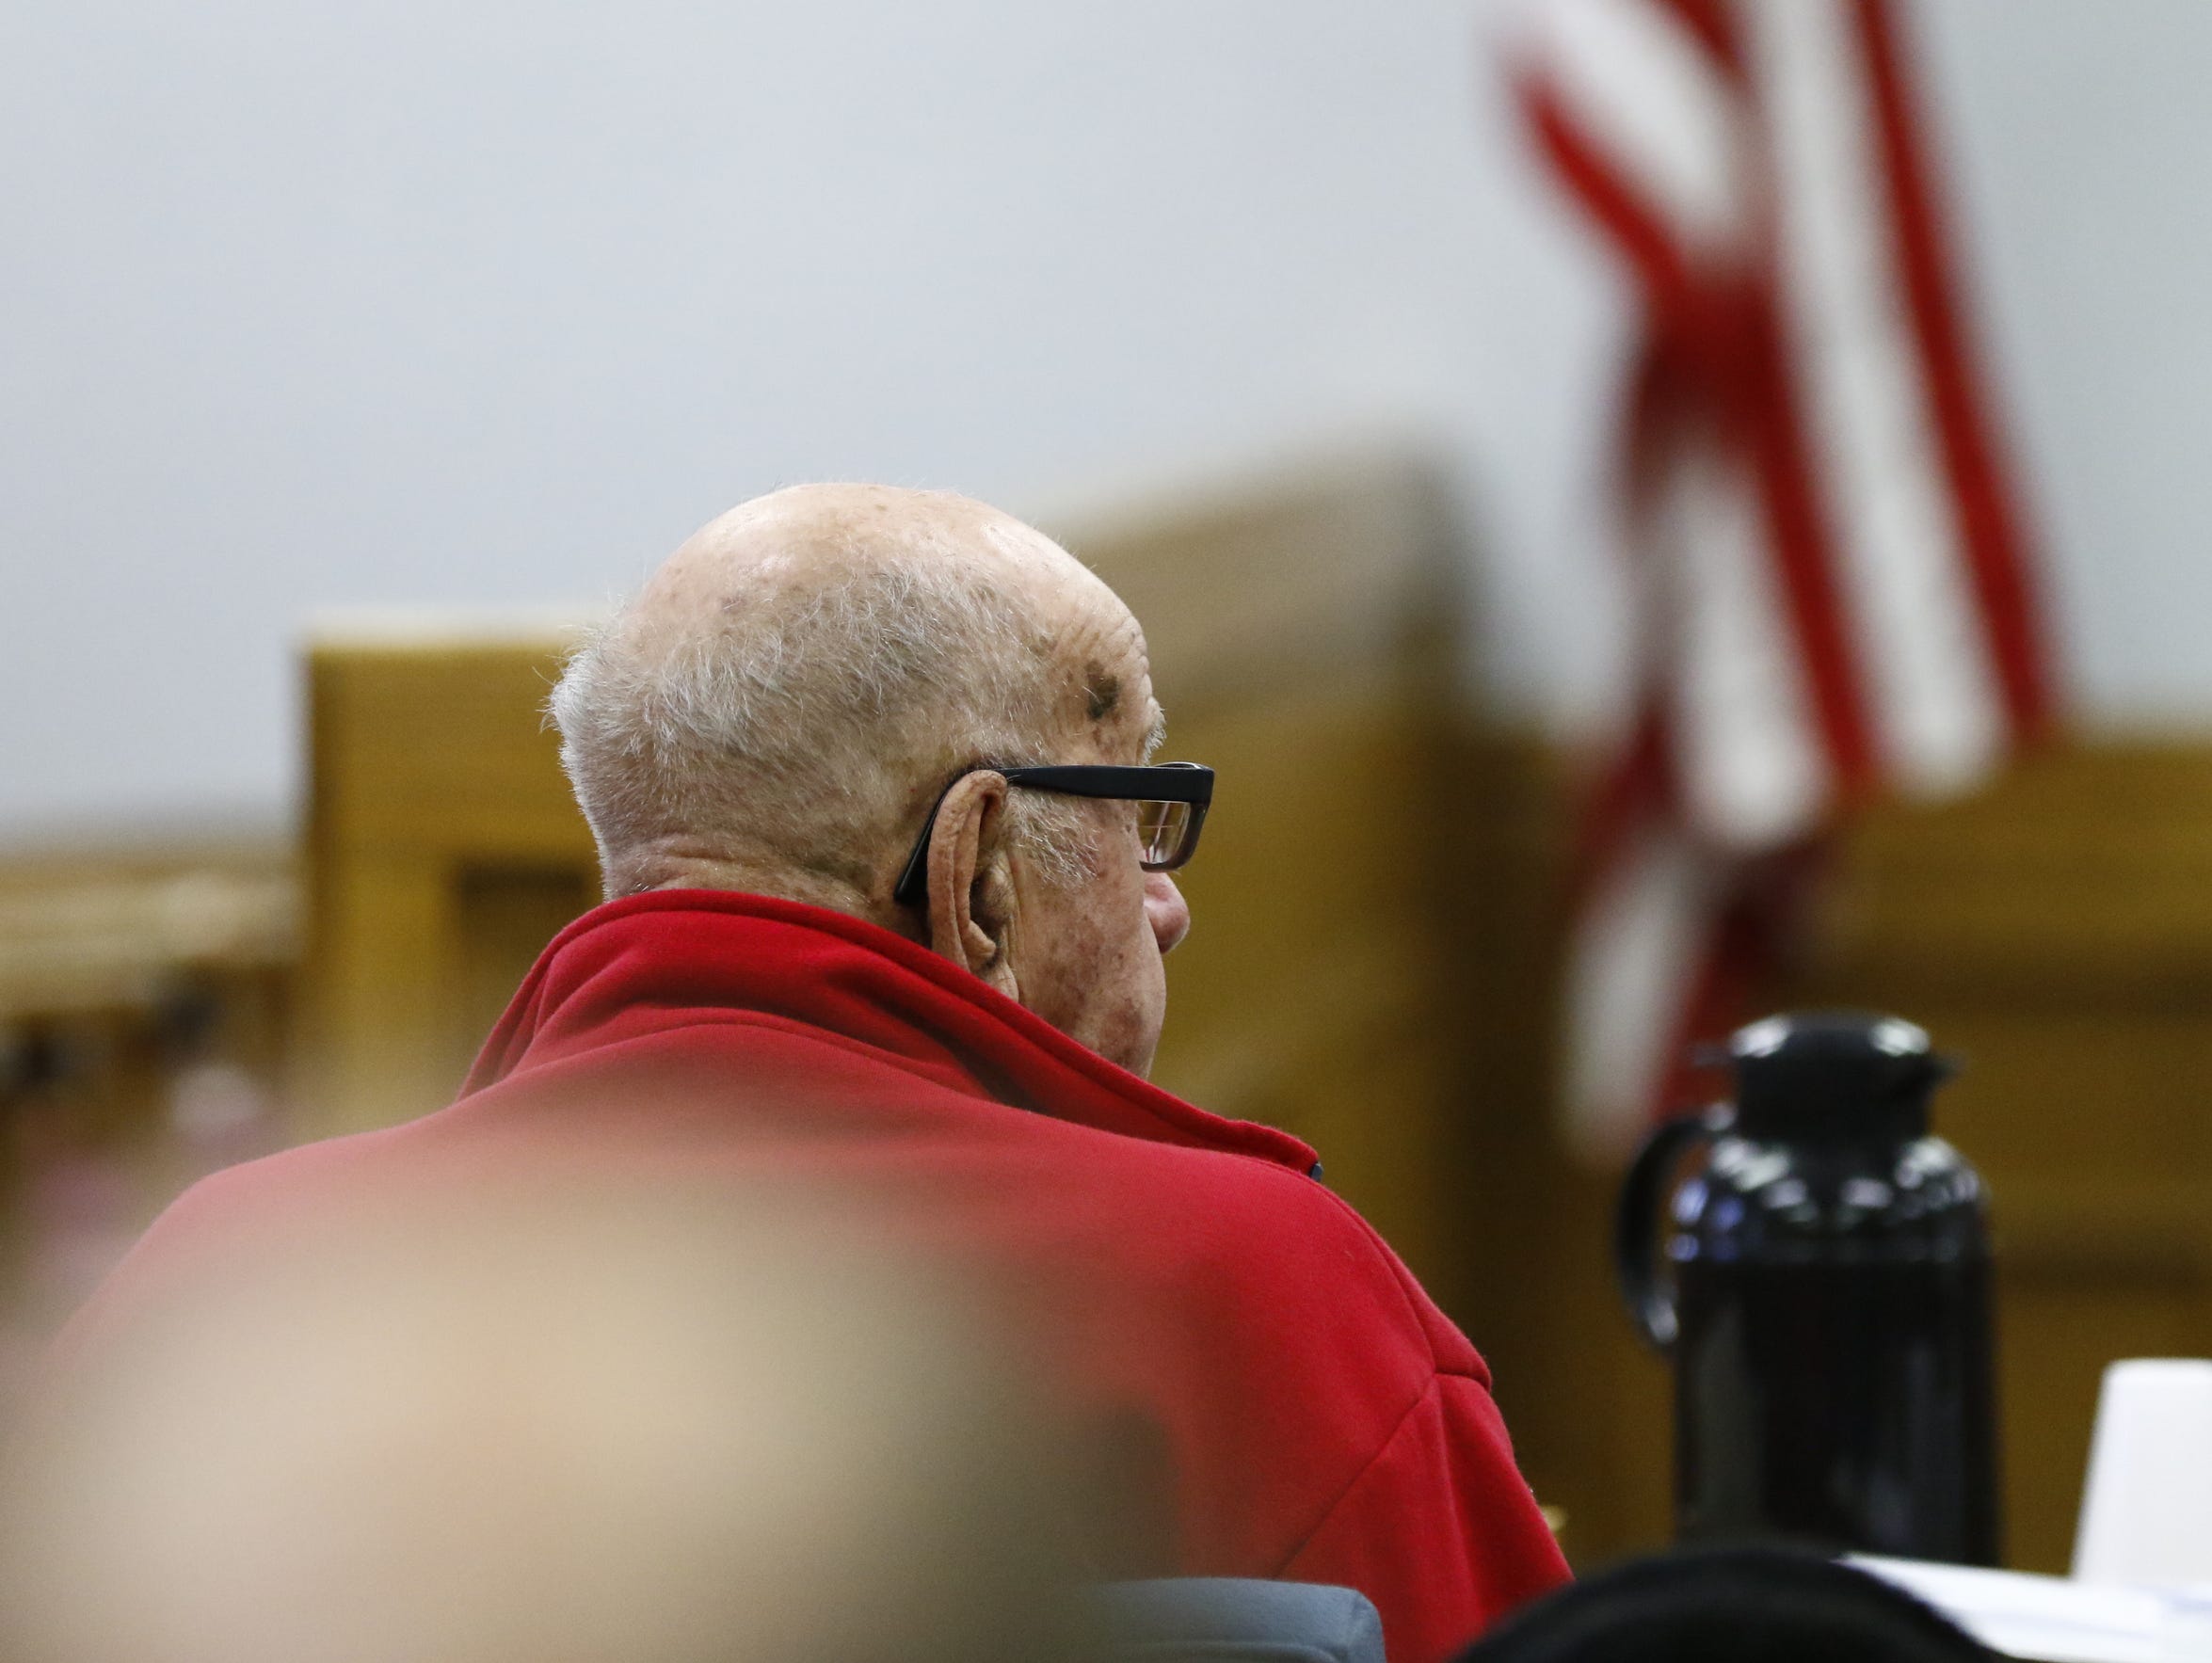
x=887, y=861
x=778, y=711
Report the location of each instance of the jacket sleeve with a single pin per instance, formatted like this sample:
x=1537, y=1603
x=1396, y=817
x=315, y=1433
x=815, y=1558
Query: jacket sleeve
x=1439, y=1530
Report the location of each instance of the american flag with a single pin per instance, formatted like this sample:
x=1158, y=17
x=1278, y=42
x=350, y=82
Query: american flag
x=1832, y=596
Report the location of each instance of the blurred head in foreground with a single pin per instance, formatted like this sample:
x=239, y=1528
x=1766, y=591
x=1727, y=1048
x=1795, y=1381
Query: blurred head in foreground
x=563, y=1428
x=1730, y=1606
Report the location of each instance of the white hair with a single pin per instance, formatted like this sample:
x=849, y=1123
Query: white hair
x=797, y=725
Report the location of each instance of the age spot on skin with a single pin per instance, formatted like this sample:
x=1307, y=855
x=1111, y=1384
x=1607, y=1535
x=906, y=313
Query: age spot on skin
x=1103, y=691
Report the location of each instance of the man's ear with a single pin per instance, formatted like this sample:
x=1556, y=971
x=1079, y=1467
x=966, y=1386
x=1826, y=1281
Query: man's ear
x=972, y=908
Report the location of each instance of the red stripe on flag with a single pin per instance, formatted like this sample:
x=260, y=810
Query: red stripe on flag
x=1637, y=786
x=1988, y=525
x=1749, y=940
x=1714, y=28
x=1624, y=215
x=1767, y=411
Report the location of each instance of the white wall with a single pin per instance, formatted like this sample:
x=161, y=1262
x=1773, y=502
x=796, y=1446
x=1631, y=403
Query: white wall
x=2082, y=155
x=485, y=302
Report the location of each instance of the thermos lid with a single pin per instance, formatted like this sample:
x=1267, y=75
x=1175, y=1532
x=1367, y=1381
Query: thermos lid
x=1844, y=1073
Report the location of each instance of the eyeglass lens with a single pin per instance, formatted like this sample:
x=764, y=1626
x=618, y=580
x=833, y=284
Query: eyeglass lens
x=1162, y=829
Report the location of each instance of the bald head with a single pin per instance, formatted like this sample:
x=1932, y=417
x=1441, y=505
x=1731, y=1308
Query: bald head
x=809, y=539
x=790, y=690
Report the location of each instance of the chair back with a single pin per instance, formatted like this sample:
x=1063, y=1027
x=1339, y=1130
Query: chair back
x=1237, y=1619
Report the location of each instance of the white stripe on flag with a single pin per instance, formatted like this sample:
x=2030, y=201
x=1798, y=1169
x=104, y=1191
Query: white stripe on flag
x=1647, y=94
x=1755, y=774
x=1878, y=466
x=1633, y=964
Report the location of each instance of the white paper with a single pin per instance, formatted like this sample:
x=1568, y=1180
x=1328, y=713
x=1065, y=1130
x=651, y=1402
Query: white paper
x=2056, y=1620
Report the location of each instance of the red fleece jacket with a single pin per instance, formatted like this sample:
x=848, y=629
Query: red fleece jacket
x=1323, y=1421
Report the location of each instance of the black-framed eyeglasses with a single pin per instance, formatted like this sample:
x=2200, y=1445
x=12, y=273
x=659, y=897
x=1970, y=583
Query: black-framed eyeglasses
x=1171, y=798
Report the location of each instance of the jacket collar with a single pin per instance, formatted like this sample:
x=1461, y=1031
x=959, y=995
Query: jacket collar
x=652, y=963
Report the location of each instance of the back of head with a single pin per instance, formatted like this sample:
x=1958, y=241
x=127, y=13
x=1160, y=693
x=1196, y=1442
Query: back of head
x=1730, y=1606
x=805, y=671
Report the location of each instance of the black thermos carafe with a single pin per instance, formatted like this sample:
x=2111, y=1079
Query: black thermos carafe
x=1827, y=1311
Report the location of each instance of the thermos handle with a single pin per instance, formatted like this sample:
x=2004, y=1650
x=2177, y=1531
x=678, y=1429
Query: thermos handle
x=1650, y=1300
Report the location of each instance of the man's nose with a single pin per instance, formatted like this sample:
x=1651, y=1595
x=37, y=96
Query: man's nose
x=1166, y=910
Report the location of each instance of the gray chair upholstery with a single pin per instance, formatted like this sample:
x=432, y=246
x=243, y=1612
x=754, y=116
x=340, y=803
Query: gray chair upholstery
x=1233, y=1619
